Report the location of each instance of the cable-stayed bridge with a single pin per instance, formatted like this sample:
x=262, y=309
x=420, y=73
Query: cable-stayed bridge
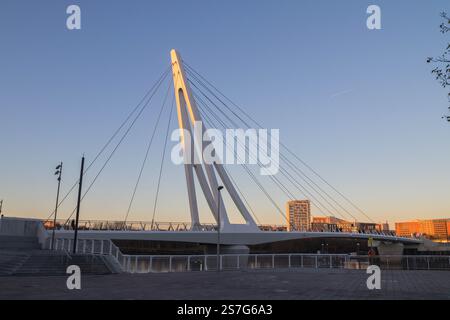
x=197, y=100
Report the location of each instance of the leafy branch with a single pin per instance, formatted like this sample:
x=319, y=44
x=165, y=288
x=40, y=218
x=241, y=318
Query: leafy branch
x=442, y=62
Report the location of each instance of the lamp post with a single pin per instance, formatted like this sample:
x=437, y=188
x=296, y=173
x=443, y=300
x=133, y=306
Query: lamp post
x=57, y=173
x=80, y=186
x=1, y=215
x=218, y=227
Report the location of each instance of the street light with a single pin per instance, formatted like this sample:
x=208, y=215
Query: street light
x=219, y=188
x=77, y=216
x=57, y=173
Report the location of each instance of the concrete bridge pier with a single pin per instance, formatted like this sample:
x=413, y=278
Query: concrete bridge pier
x=230, y=262
x=387, y=248
x=234, y=250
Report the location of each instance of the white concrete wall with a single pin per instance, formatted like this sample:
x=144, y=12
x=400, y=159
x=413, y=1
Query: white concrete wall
x=226, y=238
x=23, y=227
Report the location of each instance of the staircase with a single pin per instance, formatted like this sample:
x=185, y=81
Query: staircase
x=49, y=263
x=18, y=243
x=14, y=251
x=22, y=256
x=11, y=261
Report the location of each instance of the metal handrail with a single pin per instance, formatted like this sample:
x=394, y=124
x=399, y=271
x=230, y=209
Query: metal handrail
x=129, y=263
x=67, y=253
x=60, y=244
x=288, y=254
x=181, y=226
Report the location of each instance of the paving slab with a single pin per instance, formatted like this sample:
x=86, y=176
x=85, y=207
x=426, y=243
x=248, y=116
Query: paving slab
x=235, y=285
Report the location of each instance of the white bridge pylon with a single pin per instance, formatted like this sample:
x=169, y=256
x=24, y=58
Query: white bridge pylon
x=188, y=114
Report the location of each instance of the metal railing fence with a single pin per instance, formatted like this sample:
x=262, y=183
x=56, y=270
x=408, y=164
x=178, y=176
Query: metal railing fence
x=186, y=263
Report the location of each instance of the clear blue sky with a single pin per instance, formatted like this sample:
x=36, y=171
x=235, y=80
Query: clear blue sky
x=360, y=106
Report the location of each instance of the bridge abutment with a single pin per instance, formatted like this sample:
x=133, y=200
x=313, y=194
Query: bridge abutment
x=234, y=250
x=386, y=248
x=390, y=252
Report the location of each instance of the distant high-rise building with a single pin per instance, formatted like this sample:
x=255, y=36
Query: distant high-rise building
x=383, y=227
x=331, y=223
x=298, y=215
x=366, y=227
x=435, y=229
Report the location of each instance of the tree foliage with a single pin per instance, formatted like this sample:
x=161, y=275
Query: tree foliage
x=441, y=63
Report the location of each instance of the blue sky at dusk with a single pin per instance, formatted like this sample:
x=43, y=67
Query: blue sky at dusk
x=360, y=106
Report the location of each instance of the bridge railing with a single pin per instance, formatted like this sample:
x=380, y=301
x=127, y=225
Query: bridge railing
x=180, y=263
x=186, y=263
x=89, y=246
x=107, y=225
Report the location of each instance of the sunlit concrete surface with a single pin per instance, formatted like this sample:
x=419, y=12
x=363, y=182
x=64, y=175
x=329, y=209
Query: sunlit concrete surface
x=261, y=284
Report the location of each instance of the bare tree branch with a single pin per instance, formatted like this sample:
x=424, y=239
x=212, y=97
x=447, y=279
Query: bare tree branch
x=442, y=69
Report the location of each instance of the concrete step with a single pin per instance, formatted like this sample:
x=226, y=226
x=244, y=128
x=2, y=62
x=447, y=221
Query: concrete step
x=18, y=242
x=17, y=238
x=51, y=264
x=10, y=262
x=19, y=245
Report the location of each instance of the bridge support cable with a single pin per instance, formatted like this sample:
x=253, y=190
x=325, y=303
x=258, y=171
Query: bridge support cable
x=122, y=138
x=209, y=122
x=286, y=191
x=289, y=177
x=248, y=171
x=213, y=124
x=116, y=132
x=276, y=181
x=196, y=76
x=146, y=153
x=329, y=185
x=162, y=161
x=295, y=183
x=224, y=126
x=242, y=196
x=191, y=70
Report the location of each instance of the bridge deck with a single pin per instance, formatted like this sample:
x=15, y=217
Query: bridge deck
x=227, y=238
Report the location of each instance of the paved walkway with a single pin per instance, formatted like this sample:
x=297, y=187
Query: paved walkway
x=262, y=284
